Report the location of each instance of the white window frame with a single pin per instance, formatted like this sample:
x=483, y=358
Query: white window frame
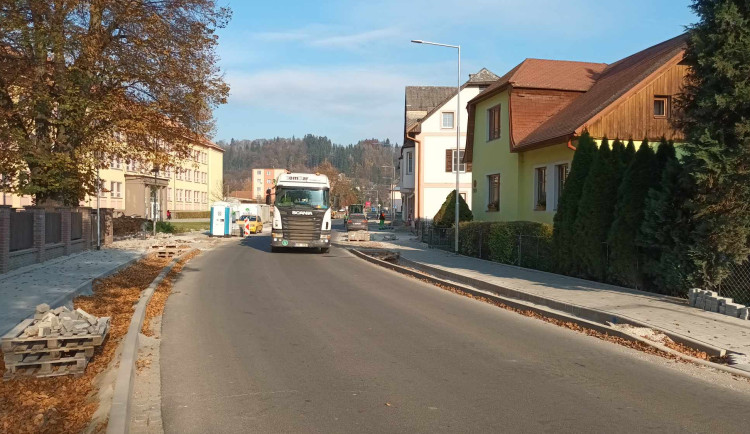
x=409, y=162
x=453, y=166
x=500, y=120
x=489, y=190
x=535, y=185
x=453, y=120
x=169, y=193
x=187, y=195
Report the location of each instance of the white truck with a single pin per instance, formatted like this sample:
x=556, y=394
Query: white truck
x=302, y=213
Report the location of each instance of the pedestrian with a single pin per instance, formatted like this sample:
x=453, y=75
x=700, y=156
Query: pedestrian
x=169, y=215
x=382, y=220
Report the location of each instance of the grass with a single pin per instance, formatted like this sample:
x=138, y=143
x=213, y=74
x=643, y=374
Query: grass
x=181, y=227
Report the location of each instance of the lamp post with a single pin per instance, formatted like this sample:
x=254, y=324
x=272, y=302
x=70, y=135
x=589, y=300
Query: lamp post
x=156, y=195
x=393, y=178
x=458, y=124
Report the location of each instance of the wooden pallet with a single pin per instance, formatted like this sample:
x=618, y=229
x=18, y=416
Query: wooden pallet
x=15, y=358
x=47, y=366
x=14, y=340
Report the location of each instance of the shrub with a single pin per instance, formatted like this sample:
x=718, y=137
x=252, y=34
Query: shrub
x=564, y=234
x=446, y=216
x=191, y=214
x=164, y=227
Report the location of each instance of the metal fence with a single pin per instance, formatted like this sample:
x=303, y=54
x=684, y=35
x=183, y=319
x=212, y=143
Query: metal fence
x=52, y=228
x=535, y=252
x=22, y=231
x=737, y=284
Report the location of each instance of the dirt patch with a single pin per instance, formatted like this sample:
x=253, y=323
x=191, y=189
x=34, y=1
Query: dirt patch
x=158, y=301
x=66, y=404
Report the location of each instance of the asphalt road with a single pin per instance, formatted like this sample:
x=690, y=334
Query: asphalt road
x=302, y=342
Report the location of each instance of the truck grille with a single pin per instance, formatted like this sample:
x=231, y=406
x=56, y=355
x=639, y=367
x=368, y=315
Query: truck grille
x=301, y=227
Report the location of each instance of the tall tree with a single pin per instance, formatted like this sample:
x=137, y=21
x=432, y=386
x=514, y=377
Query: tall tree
x=715, y=117
x=564, y=231
x=595, y=212
x=629, y=154
x=625, y=260
x=83, y=81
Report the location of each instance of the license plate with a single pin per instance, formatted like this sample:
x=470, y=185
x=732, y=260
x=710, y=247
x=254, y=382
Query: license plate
x=301, y=244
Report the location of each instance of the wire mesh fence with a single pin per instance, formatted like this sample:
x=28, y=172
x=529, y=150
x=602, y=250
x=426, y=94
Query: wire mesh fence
x=737, y=284
x=535, y=252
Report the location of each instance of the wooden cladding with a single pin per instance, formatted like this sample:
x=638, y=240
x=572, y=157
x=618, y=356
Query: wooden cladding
x=646, y=113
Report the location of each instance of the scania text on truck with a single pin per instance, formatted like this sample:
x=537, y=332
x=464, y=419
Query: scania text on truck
x=301, y=214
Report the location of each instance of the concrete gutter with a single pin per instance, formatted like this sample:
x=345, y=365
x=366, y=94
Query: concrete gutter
x=548, y=308
x=119, y=414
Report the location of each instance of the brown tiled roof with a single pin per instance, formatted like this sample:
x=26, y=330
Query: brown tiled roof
x=548, y=74
x=484, y=76
x=616, y=80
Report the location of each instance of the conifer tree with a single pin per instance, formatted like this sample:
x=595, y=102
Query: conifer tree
x=564, y=237
x=715, y=118
x=625, y=260
x=595, y=211
x=629, y=153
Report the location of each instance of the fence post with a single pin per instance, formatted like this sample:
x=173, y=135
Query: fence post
x=65, y=228
x=5, y=211
x=107, y=214
x=85, y=226
x=39, y=229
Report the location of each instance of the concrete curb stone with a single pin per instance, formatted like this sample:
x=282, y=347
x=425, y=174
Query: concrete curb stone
x=119, y=414
x=568, y=312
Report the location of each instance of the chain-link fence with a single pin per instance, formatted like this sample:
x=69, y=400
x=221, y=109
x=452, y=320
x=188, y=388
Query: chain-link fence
x=737, y=284
x=535, y=252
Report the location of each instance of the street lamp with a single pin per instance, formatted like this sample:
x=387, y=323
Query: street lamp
x=458, y=123
x=155, y=169
x=393, y=178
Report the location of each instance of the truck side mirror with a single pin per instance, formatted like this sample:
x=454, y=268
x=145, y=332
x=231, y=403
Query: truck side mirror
x=268, y=196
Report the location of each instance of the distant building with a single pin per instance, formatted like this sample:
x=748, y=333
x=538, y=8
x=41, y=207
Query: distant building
x=126, y=185
x=262, y=180
x=429, y=160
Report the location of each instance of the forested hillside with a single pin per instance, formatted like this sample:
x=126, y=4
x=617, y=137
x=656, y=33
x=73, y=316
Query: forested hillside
x=366, y=163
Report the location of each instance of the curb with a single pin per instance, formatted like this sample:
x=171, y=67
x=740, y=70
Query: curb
x=546, y=310
x=119, y=414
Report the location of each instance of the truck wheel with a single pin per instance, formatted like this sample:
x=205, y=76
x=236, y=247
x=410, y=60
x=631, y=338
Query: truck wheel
x=274, y=249
x=325, y=249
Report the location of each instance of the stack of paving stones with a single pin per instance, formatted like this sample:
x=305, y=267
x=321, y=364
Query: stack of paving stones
x=55, y=342
x=710, y=301
x=358, y=236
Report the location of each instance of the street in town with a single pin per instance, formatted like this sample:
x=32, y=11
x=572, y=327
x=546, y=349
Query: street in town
x=298, y=342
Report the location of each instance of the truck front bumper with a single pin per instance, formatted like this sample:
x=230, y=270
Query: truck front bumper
x=278, y=240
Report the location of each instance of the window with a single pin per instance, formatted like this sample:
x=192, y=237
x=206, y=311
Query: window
x=114, y=189
x=196, y=195
x=463, y=196
x=259, y=172
x=493, y=200
x=187, y=195
x=268, y=173
x=187, y=175
x=493, y=122
x=196, y=177
x=661, y=107
x=447, y=120
x=131, y=166
x=540, y=188
x=169, y=193
x=115, y=164
x=257, y=189
x=179, y=195
x=453, y=163
x=561, y=175
x=269, y=181
x=409, y=163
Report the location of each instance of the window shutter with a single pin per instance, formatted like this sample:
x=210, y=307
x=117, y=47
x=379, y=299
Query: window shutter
x=449, y=160
x=468, y=166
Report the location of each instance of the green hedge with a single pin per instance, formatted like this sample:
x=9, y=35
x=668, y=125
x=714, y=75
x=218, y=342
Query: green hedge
x=191, y=214
x=499, y=242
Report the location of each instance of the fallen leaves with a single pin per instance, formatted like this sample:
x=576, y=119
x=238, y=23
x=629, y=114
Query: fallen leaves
x=158, y=301
x=66, y=404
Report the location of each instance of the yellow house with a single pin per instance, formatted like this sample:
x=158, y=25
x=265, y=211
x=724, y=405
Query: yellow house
x=523, y=129
x=127, y=186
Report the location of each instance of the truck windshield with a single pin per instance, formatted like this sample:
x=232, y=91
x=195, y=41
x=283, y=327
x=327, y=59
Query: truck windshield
x=297, y=196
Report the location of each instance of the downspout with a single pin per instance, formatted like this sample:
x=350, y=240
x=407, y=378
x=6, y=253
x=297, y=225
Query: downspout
x=570, y=144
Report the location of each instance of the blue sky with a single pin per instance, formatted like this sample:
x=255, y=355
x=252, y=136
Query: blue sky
x=338, y=68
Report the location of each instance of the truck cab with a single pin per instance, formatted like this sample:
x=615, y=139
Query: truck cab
x=302, y=213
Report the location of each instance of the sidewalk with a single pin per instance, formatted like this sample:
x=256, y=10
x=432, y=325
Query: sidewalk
x=54, y=282
x=666, y=313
